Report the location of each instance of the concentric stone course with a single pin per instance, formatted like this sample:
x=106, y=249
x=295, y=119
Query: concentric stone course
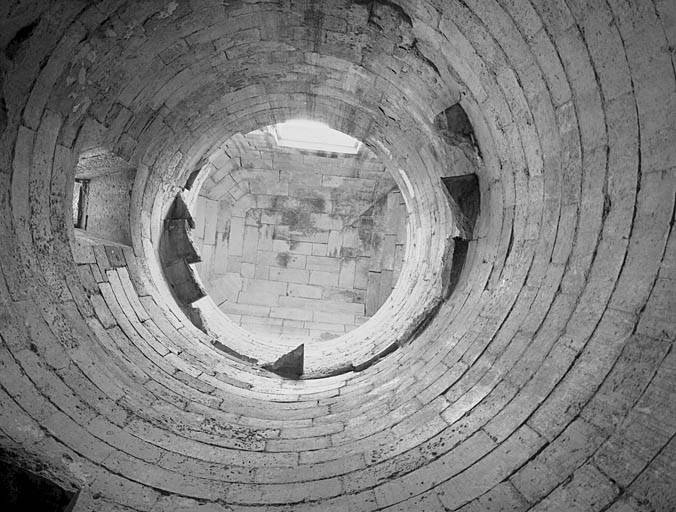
x=545, y=382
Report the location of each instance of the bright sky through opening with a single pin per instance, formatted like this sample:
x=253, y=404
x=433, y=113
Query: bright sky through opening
x=314, y=136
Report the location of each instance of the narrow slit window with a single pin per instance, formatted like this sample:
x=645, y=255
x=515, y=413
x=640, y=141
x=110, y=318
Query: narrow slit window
x=80, y=197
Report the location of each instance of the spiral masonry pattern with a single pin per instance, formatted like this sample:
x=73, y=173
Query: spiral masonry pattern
x=545, y=382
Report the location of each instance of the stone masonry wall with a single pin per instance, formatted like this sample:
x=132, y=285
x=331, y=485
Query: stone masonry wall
x=545, y=382
x=311, y=249
x=109, y=182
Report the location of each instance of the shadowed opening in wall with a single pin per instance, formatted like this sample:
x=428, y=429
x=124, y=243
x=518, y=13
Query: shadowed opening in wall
x=101, y=196
x=21, y=490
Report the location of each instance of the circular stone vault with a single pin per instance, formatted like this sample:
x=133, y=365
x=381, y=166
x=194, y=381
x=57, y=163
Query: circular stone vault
x=523, y=358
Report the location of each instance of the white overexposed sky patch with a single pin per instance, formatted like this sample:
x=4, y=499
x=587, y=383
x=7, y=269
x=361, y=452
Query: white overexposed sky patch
x=314, y=136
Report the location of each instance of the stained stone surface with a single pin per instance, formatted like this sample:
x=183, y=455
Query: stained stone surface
x=310, y=250
x=545, y=381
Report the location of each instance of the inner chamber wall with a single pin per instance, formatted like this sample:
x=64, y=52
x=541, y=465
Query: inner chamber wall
x=298, y=244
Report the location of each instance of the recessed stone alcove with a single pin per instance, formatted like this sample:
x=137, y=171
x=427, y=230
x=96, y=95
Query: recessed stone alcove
x=298, y=244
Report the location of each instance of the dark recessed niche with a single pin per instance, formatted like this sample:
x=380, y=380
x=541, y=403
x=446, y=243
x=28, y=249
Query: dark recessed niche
x=465, y=200
x=22, y=490
x=101, y=196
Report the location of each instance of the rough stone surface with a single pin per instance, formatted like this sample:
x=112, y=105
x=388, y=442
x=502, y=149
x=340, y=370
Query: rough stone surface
x=546, y=381
x=298, y=244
